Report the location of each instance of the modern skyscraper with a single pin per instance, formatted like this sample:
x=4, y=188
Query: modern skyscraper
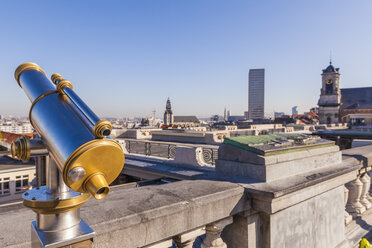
x=256, y=94
x=294, y=110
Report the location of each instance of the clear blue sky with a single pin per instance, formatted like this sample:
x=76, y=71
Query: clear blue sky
x=126, y=57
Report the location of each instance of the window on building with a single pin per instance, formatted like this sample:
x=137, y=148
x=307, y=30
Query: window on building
x=4, y=186
x=21, y=183
x=329, y=120
x=357, y=121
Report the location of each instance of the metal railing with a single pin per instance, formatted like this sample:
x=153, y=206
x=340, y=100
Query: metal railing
x=151, y=148
x=166, y=150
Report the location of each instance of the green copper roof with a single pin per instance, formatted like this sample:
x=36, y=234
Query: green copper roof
x=277, y=143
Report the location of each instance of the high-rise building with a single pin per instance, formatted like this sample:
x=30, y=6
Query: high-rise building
x=294, y=110
x=256, y=94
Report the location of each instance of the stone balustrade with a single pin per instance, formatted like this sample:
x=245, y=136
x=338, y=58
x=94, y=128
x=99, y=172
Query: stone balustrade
x=326, y=204
x=358, y=199
x=154, y=216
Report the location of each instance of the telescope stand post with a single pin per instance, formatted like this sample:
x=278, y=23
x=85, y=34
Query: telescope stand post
x=40, y=163
x=57, y=207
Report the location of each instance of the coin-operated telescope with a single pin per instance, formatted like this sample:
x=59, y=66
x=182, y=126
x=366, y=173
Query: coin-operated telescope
x=82, y=159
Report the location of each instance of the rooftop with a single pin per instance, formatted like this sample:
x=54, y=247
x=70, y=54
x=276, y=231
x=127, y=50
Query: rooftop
x=356, y=98
x=8, y=163
x=331, y=69
x=10, y=137
x=186, y=118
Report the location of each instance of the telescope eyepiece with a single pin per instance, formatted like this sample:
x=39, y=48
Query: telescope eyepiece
x=101, y=190
x=102, y=128
x=106, y=132
x=97, y=186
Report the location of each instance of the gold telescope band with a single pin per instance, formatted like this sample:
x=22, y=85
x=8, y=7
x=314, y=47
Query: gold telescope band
x=56, y=206
x=24, y=67
x=55, y=77
x=100, y=127
x=38, y=99
x=21, y=148
x=63, y=84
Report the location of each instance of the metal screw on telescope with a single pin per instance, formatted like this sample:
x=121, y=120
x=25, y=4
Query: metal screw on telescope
x=76, y=174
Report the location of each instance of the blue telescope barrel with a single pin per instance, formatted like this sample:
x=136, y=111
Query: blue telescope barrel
x=100, y=128
x=65, y=122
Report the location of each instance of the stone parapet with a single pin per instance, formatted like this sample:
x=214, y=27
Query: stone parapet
x=191, y=156
x=234, y=161
x=291, y=195
x=229, y=152
x=363, y=154
x=142, y=216
x=303, y=210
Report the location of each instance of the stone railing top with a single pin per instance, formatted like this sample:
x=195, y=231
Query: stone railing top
x=229, y=152
x=141, y=216
x=269, y=196
x=168, y=143
x=276, y=144
x=363, y=154
x=177, y=133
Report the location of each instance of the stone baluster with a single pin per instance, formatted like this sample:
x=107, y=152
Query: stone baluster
x=353, y=205
x=213, y=234
x=186, y=240
x=366, y=180
x=348, y=218
x=369, y=194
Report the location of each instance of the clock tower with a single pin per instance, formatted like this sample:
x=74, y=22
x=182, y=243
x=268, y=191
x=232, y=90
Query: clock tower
x=330, y=96
x=168, y=115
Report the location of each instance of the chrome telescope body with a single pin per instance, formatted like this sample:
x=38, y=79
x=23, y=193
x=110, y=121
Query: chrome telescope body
x=88, y=159
x=101, y=128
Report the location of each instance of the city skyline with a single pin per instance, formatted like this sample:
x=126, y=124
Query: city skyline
x=132, y=56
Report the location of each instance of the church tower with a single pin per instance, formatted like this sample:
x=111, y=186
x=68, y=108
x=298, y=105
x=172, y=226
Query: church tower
x=168, y=115
x=330, y=95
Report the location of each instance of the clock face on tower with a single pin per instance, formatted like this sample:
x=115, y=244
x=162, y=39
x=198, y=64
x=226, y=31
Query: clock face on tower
x=329, y=86
x=329, y=81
